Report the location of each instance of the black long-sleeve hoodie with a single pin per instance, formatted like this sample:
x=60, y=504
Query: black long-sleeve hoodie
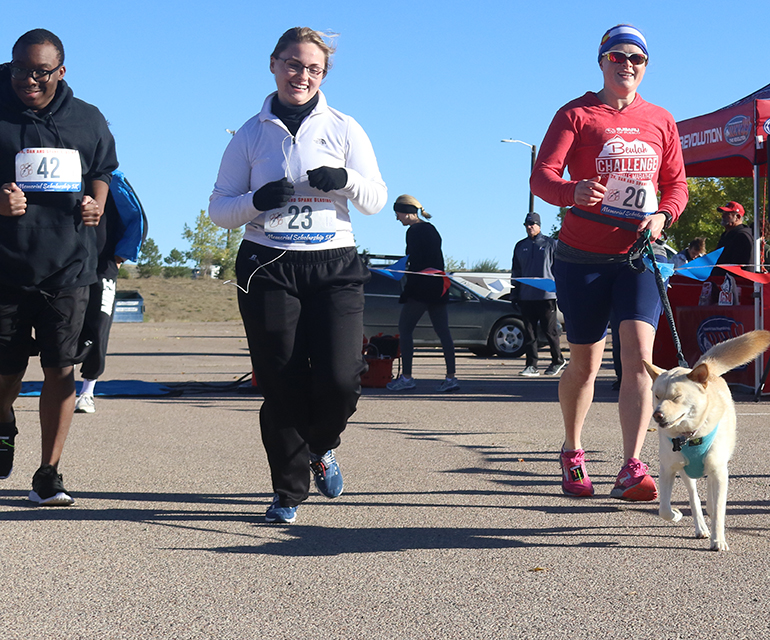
x=49, y=248
x=423, y=246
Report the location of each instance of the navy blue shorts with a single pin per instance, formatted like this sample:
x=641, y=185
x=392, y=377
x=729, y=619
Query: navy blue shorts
x=56, y=318
x=589, y=294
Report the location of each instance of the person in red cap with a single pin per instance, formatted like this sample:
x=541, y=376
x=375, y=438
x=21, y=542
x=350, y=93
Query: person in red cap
x=737, y=239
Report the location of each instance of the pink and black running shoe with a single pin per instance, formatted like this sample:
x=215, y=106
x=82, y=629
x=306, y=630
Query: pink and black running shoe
x=574, y=477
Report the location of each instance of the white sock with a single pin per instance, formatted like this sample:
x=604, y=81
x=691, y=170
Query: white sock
x=88, y=387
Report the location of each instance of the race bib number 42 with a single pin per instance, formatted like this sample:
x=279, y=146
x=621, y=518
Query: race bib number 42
x=629, y=198
x=44, y=169
x=305, y=219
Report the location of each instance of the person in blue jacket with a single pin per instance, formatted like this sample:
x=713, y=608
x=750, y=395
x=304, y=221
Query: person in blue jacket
x=119, y=237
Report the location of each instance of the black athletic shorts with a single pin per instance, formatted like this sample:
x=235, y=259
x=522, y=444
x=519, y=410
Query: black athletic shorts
x=56, y=318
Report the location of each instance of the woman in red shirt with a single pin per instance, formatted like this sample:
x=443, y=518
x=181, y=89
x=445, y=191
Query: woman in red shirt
x=620, y=152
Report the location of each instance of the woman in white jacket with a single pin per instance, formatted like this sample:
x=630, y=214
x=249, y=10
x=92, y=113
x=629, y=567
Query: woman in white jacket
x=288, y=174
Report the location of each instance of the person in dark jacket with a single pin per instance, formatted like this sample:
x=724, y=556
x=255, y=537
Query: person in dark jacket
x=56, y=157
x=533, y=258
x=737, y=239
x=422, y=293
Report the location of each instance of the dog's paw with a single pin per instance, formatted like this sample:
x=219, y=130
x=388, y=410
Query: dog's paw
x=719, y=545
x=672, y=515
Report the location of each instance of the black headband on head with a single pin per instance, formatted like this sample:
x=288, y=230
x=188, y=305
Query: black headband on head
x=404, y=208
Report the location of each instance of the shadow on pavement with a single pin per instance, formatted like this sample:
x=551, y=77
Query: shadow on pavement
x=312, y=540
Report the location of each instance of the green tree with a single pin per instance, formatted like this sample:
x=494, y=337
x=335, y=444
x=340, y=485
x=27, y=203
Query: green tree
x=175, y=258
x=207, y=243
x=451, y=265
x=149, y=263
x=554, y=233
x=177, y=262
x=700, y=217
x=486, y=266
x=230, y=253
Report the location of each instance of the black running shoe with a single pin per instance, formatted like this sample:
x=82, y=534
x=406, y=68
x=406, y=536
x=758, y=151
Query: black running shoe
x=8, y=433
x=48, y=489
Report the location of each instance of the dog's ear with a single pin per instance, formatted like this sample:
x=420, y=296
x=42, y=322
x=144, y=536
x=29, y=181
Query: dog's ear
x=700, y=374
x=652, y=370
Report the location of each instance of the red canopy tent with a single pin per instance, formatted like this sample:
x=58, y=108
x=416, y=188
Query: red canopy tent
x=728, y=142
x=732, y=142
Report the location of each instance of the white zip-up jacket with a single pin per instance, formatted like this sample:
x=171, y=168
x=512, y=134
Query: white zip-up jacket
x=263, y=151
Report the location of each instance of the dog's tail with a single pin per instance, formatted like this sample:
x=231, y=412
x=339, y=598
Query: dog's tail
x=727, y=355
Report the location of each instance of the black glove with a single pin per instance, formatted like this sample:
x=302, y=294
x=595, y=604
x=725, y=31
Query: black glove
x=273, y=195
x=327, y=178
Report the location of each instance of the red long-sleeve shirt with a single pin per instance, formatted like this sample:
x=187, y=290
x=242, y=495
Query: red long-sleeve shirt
x=589, y=138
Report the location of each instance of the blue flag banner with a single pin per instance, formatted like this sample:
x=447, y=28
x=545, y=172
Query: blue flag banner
x=539, y=283
x=114, y=388
x=666, y=269
x=395, y=270
x=700, y=268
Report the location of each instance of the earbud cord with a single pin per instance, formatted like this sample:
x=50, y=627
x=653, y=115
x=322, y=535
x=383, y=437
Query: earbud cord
x=283, y=253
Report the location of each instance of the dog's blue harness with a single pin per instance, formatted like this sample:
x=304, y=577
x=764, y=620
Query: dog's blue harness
x=694, y=451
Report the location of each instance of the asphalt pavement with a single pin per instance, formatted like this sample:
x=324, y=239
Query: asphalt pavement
x=452, y=523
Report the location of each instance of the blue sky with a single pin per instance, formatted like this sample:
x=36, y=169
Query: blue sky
x=436, y=85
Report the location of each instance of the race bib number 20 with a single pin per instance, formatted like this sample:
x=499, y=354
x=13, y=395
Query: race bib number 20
x=629, y=198
x=46, y=169
x=305, y=219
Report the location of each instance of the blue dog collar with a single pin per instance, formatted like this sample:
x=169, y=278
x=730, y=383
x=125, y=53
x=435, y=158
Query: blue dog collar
x=694, y=451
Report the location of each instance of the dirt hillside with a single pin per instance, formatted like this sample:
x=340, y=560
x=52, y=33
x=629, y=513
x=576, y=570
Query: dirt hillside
x=184, y=299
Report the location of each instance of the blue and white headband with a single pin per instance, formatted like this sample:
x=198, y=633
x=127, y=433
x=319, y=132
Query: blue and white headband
x=619, y=34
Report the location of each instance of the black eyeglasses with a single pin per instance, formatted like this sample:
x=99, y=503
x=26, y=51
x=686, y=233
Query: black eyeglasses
x=295, y=68
x=619, y=57
x=40, y=75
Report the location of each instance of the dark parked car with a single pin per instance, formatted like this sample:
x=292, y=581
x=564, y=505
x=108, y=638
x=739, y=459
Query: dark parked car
x=483, y=325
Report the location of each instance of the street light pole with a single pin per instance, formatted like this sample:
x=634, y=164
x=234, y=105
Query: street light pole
x=533, y=148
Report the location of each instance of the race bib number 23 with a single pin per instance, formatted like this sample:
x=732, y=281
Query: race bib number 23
x=305, y=219
x=47, y=169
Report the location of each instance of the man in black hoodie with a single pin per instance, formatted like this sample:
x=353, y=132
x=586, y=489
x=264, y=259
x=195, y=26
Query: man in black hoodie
x=56, y=158
x=737, y=239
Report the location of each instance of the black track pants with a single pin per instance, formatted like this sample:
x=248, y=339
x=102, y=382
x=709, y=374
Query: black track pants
x=96, y=328
x=303, y=316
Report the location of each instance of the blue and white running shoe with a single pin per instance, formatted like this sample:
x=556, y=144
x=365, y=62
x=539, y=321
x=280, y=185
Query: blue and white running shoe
x=277, y=513
x=328, y=476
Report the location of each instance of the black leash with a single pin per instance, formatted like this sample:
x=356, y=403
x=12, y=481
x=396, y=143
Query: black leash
x=640, y=248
